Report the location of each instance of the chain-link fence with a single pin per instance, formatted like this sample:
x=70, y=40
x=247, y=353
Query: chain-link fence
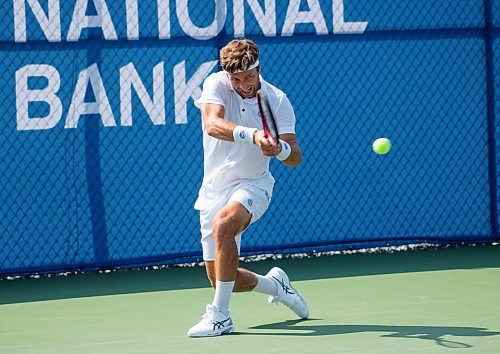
x=101, y=143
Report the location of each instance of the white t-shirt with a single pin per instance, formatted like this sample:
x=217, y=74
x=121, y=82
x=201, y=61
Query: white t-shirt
x=225, y=162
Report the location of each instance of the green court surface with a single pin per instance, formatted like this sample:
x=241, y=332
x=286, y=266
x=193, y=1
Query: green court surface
x=435, y=301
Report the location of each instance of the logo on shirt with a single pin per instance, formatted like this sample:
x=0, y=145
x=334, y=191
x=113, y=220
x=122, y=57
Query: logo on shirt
x=243, y=135
x=250, y=202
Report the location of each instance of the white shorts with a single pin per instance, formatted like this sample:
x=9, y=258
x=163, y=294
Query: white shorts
x=255, y=199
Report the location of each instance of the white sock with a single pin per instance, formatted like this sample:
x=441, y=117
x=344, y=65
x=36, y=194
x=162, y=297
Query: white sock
x=223, y=291
x=265, y=285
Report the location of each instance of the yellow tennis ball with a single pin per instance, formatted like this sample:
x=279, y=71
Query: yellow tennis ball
x=381, y=146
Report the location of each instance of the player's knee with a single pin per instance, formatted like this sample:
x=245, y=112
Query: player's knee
x=223, y=230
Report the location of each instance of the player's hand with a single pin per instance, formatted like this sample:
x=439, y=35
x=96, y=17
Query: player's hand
x=266, y=146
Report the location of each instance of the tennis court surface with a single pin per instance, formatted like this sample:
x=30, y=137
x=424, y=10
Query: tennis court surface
x=434, y=301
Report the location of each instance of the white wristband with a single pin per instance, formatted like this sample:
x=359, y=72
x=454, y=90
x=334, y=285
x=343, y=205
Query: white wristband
x=285, y=152
x=243, y=135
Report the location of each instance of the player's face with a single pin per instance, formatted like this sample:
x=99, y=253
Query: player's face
x=246, y=83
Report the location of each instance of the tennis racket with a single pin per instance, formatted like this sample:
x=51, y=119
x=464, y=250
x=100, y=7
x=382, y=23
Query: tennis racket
x=268, y=121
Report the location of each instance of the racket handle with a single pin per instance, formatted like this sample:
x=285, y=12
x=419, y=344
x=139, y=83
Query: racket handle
x=270, y=138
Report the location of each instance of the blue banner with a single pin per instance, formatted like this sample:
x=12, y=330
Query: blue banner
x=101, y=143
x=68, y=21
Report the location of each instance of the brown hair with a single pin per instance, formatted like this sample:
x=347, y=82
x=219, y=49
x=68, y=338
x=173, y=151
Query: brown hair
x=238, y=55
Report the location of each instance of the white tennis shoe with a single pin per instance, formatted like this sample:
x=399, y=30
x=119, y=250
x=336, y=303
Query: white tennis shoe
x=213, y=323
x=287, y=294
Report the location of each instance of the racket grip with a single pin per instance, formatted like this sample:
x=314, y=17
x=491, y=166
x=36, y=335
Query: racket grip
x=270, y=137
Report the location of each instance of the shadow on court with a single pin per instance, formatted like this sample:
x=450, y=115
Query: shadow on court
x=307, y=328
x=137, y=281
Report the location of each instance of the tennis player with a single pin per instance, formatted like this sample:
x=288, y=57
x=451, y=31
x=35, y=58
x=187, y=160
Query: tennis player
x=237, y=185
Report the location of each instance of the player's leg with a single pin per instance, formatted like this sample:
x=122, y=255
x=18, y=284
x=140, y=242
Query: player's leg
x=275, y=283
x=228, y=224
x=220, y=252
x=250, y=201
x=245, y=206
x=245, y=280
x=230, y=221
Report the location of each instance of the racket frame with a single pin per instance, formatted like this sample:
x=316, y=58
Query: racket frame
x=267, y=119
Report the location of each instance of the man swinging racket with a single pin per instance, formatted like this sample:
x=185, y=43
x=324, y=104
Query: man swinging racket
x=237, y=185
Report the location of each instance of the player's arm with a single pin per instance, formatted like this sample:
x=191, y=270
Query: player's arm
x=215, y=124
x=295, y=157
x=218, y=127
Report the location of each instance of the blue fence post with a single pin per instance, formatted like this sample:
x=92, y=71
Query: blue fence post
x=93, y=166
x=490, y=92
